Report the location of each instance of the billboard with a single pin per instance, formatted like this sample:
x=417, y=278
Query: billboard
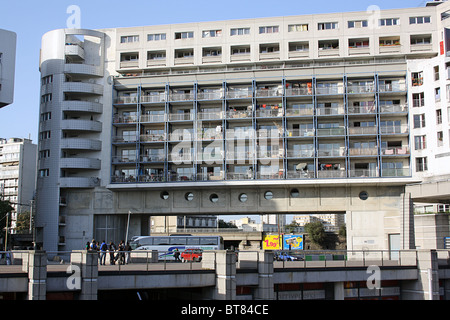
x=289, y=242
x=271, y=242
x=293, y=242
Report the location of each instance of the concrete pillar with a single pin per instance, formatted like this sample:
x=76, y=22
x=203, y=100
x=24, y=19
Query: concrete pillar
x=338, y=291
x=87, y=263
x=224, y=263
x=35, y=262
x=265, y=290
x=426, y=287
x=225, y=275
x=407, y=222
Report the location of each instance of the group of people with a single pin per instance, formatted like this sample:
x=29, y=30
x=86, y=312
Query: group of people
x=121, y=253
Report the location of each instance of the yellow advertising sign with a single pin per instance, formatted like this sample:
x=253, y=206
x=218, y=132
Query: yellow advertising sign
x=271, y=242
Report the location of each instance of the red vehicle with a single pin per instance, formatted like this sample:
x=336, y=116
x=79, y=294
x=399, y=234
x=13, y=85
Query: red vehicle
x=192, y=255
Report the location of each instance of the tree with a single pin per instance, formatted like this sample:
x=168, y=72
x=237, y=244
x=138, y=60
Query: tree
x=316, y=232
x=227, y=225
x=5, y=211
x=23, y=222
x=291, y=227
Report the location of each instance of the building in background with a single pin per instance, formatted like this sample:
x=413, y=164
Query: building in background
x=7, y=66
x=331, y=222
x=18, y=174
x=291, y=115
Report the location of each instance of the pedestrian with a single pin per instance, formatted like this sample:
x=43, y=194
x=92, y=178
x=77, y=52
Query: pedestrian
x=88, y=245
x=103, y=248
x=128, y=253
x=122, y=252
x=112, y=248
x=177, y=255
x=93, y=245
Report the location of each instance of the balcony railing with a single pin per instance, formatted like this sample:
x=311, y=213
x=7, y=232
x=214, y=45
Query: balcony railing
x=395, y=151
x=330, y=111
x=403, y=172
x=158, y=137
x=363, y=151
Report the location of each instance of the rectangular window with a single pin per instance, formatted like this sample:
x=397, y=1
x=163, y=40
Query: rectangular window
x=268, y=29
x=211, y=33
x=419, y=20
x=439, y=116
x=440, y=138
x=156, y=37
x=419, y=121
x=420, y=142
x=297, y=27
x=327, y=26
x=420, y=39
x=184, y=35
x=418, y=99
x=417, y=79
x=421, y=164
x=358, y=24
x=389, y=22
x=239, y=31
x=129, y=39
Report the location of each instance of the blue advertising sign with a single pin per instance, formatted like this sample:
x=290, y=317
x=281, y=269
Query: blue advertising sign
x=293, y=242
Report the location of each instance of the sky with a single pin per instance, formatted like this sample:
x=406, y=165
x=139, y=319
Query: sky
x=31, y=19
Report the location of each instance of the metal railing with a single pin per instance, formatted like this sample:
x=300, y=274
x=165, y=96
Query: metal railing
x=141, y=260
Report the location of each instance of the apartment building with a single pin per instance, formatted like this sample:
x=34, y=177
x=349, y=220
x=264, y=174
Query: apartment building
x=7, y=66
x=283, y=115
x=18, y=174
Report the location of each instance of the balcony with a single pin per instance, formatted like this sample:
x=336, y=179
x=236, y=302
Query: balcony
x=355, y=89
x=396, y=129
x=153, y=118
x=181, y=96
x=336, y=89
x=74, y=50
x=84, y=69
x=126, y=100
x=401, y=172
x=125, y=119
x=82, y=106
x=153, y=137
x=331, y=132
x=239, y=114
x=79, y=182
x=270, y=92
x=80, y=163
x=300, y=174
x=81, y=144
x=363, y=151
x=327, y=111
x=81, y=125
x=239, y=94
x=395, y=151
x=212, y=95
x=308, y=153
x=217, y=115
x=300, y=133
x=156, y=62
x=181, y=116
x=304, y=110
x=394, y=108
x=153, y=158
x=269, y=112
x=362, y=130
x=326, y=174
x=298, y=92
x=154, y=98
x=210, y=176
x=363, y=173
x=332, y=152
x=82, y=87
x=123, y=159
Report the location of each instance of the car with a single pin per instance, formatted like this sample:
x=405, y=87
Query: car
x=192, y=255
x=286, y=256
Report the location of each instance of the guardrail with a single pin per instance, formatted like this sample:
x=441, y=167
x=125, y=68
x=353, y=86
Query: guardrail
x=141, y=260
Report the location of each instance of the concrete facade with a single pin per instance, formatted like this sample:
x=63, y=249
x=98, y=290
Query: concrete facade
x=8, y=41
x=142, y=117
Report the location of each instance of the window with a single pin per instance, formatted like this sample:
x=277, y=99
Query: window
x=46, y=98
x=327, y=26
x=389, y=22
x=189, y=196
x=440, y=138
x=243, y=197
x=214, y=198
x=358, y=24
x=420, y=39
x=439, y=116
x=298, y=46
x=268, y=195
x=44, y=173
x=436, y=73
x=164, y=195
x=419, y=121
x=239, y=31
x=156, y=37
x=184, y=35
x=388, y=41
x=129, y=39
x=421, y=164
x=45, y=80
x=212, y=52
x=211, y=33
x=417, y=79
x=295, y=193
x=297, y=27
x=419, y=20
x=268, y=29
x=156, y=55
x=240, y=50
x=420, y=142
x=129, y=57
x=328, y=44
x=418, y=99
x=363, y=195
x=358, y=43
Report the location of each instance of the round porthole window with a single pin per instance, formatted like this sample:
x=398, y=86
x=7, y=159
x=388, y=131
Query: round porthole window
x=243, y=197
x=363, y=195
x=214, y=198
x=295, y=193
x=268, y=195
x=189, y=196
x=164, y=195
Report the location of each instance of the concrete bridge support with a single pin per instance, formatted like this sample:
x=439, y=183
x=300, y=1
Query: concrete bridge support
x=265, y=290
x=86, y=267
x=35, y=264
x=426, y=287
x=225, y=264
